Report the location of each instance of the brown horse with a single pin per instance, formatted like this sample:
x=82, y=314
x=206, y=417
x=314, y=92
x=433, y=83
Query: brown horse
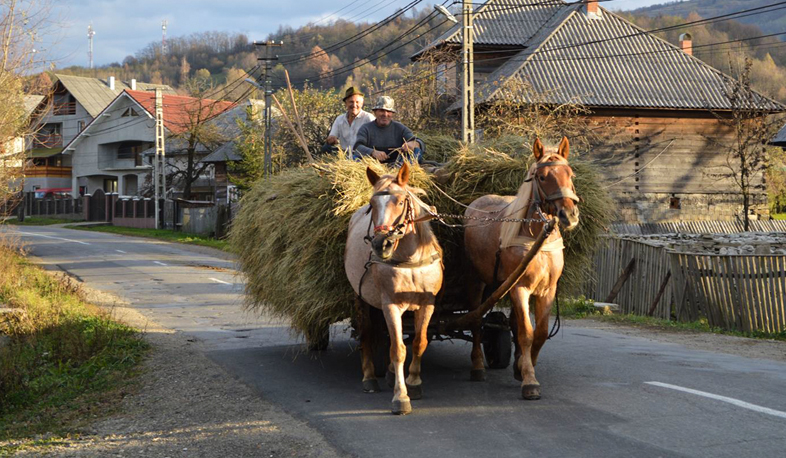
x=399, y=270
x=497, y=249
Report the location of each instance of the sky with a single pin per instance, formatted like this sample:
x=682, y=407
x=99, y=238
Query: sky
x=123, y=27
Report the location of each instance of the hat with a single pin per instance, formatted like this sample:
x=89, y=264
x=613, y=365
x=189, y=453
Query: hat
x=352, y=90
x=385, y=103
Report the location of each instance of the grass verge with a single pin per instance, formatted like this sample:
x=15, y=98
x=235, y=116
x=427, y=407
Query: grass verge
x=160, y=234
x=40, y=221
x=63, y=361
x=780, y=216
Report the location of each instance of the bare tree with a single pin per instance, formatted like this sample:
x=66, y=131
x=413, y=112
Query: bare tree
x=752, y=127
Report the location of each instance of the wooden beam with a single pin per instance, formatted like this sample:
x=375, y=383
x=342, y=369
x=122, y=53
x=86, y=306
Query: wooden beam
x=621, y=281
x=660, y=294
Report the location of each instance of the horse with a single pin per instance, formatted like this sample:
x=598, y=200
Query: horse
x=396, y=267
x=497, y=248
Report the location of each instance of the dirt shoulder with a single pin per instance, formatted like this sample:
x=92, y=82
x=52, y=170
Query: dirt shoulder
x=718, y=343
x=186, y=405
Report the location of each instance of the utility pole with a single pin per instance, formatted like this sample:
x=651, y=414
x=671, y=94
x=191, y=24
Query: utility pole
x=159, y=164
x=468, y=79
x=267, y=61
x=163, y=38
x=90, y=33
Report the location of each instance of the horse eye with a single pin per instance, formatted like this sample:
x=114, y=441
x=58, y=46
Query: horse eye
x=542, y=178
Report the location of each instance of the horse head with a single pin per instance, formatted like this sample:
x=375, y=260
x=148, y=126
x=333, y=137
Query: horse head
x=553, y=183
x=392, y=212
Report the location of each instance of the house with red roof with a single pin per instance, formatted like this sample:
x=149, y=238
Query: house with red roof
x=114, y=151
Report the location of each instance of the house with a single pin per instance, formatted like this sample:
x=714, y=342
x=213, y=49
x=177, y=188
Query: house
x=110, y=153
x=72, y=103
x=665, y=163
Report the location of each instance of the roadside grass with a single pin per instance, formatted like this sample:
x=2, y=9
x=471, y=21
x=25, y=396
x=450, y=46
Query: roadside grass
x=577, y=308
x=781, y=216
x=160, y=234
x=63, y=361
x=40, y=221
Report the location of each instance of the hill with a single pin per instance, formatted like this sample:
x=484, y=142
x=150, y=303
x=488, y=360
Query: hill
x=772, y=22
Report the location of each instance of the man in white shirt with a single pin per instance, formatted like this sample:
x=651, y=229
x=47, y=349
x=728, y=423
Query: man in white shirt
x=345, y=127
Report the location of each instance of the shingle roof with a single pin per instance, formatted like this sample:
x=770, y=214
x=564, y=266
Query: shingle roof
x=94, y=94
x=179, y=110
x=601, y=61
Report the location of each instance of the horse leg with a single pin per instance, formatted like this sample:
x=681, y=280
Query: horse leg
x=530, y=388
x=419, y=344
x=475, y=296
x=542, y=312
x=398, y=353
x=363, y=312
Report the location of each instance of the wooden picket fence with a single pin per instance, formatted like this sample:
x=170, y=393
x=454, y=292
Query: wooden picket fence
x=699, y=227
x=735, y=292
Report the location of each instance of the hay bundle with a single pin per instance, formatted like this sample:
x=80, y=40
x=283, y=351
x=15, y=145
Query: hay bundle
x=290, y=232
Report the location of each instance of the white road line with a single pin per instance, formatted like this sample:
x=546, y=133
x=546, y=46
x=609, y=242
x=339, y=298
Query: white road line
x=121, y=251
x=219, y=281
x=159, y=263
x=53, y=237
x=736, y=402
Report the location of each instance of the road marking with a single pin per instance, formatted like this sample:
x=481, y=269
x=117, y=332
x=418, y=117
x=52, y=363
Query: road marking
x=736, y=402
x=159, y=263
x=53, y=237
x=121, y=251
x=219, y=281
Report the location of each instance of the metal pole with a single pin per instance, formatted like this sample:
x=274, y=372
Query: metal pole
x=468, y=80
x=268, y=60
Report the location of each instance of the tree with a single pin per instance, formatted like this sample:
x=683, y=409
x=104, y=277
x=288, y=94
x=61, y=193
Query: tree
x=20, y=24
x=752, y=128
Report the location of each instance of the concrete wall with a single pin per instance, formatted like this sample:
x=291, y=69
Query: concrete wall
x=662, y=207
x=70, y=123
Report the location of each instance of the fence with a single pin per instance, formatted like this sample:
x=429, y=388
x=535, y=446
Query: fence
x=699, y=227
x=134, y=213
x=65, y=208
x=735, y=292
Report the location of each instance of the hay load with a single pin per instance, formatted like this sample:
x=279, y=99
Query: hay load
x=290, y=232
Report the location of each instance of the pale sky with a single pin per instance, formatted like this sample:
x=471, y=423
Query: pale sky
x=123, y=27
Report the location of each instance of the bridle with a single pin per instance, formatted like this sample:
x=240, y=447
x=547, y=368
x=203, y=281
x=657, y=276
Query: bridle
x=404, y=222
x=539, y=195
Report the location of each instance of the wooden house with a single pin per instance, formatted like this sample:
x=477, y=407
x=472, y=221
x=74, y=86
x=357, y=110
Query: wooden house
x=666, y=162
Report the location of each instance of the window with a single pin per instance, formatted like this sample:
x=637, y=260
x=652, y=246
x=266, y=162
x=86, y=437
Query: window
x=675, y=203
x=110, y=184
x=129, y=112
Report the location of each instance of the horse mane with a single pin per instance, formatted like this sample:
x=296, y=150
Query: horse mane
x=425, y=235
x=519, y=208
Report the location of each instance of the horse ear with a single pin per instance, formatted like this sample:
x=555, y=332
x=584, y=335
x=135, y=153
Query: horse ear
x=403, y=174
x=372, y=176
x=537, y=149
x=564, y=148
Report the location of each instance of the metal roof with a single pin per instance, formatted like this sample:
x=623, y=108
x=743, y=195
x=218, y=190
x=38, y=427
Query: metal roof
x=94, y=94
x=780, y=137
x=225, y=153
x=503, y=23
x=605, y=61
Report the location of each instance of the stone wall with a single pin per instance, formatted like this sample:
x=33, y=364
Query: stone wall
x=663, y=207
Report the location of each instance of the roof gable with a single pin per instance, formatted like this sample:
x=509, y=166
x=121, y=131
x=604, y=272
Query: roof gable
x=94, y=94
x=180, y=110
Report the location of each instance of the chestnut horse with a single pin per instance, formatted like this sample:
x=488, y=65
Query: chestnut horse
x=496, y=249
x=400, y=270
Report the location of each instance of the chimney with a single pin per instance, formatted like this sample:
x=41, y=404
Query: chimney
x=111, y=82
x=133, y=84
x=686, y=43
x=592, y=7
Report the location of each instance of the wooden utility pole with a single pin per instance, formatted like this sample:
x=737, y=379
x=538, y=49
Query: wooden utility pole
x=159, y=164
x=468, y=80
x=267, y=61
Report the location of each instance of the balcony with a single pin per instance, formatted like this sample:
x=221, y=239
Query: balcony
x=47, y=171
x=44, y=140
x=64, y=109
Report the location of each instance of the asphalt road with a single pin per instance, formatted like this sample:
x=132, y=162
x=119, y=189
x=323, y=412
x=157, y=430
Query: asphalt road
x=604, y=394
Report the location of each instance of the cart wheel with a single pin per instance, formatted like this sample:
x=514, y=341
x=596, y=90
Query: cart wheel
x=318, y=340
x=497, y=343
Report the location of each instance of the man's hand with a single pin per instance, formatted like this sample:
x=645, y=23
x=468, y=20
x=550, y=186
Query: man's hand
x=332, y=140
x=410, y=146
x=379, y=155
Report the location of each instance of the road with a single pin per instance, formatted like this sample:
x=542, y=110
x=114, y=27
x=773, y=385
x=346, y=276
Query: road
x=605, y=394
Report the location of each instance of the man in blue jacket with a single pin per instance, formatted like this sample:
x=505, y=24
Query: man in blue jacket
x=386, y=140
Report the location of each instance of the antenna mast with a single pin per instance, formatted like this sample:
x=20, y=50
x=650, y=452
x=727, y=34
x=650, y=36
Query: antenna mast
x=90, y=33
x=163, y=37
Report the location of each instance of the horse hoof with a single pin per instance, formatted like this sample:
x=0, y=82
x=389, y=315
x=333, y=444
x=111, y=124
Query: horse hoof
x=530, y=392
x=477, y=375
x=415, y=391
x=401, y=408
x=390, y=377
x=371, y=386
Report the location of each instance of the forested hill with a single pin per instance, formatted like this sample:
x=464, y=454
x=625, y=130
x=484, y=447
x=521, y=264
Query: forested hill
x=772, y=22
x=323, y=54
